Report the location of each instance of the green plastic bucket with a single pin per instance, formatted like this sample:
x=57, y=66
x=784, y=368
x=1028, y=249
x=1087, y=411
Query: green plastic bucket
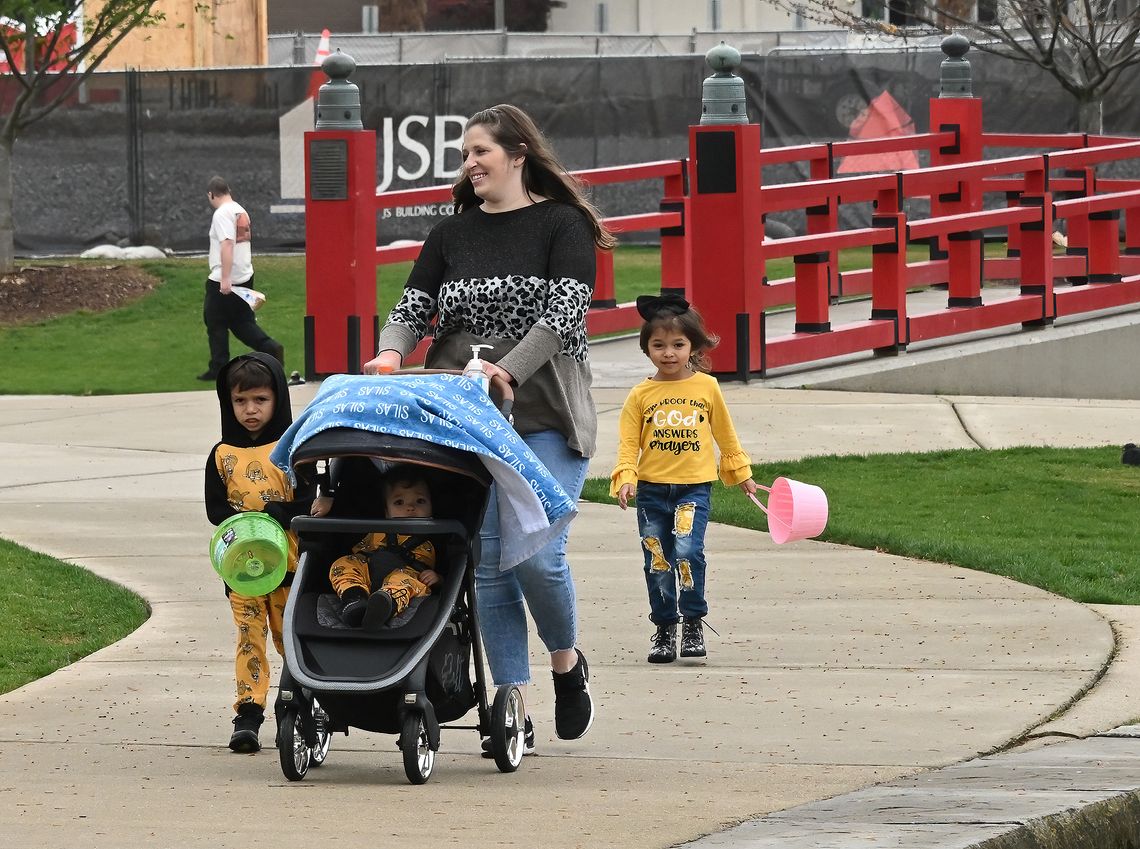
x=251, y=553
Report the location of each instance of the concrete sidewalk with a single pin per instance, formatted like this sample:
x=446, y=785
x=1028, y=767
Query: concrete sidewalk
x=844, y=704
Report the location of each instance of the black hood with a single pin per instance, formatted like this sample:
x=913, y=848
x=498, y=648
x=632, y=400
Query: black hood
x=233, y=432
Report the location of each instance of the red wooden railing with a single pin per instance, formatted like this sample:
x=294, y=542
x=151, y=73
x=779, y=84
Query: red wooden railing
x=1095, y=272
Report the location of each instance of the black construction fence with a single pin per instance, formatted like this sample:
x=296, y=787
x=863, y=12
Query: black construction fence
x=127, y=159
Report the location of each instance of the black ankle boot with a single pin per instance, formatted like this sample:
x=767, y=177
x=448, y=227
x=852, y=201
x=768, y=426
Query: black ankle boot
x=692, y=638
x=246, y=725
x=664, y=644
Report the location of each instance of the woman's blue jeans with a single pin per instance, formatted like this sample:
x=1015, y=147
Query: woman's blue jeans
x=544, y=580
x=672, y=519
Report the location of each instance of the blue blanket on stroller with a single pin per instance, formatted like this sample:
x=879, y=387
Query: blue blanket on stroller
x=448, y=410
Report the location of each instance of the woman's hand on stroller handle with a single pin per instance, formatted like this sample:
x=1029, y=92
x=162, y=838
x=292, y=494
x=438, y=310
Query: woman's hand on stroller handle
x=385, y=362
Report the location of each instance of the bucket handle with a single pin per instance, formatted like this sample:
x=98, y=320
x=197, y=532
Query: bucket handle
x=760, y=504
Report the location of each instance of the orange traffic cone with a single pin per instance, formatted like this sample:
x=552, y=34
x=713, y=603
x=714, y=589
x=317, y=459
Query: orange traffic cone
x=322, y=47
x=318, y=78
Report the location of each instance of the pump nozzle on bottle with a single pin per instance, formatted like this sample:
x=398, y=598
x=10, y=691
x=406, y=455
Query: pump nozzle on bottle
x=474, y=369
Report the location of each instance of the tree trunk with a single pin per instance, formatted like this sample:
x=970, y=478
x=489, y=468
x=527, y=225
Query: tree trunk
x=7, y=246
x=1090, y=116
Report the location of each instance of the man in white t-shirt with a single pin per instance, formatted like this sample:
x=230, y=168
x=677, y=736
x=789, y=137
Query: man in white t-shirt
x=231, y=264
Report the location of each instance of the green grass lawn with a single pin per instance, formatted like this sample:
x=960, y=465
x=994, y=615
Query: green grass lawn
x=158, y=344
x=53, y=613
x=1064, y=520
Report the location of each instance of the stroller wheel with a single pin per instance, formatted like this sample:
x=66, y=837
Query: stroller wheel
x=419, y=759
x=319, y=752
x=292, y=748
x=508, y=721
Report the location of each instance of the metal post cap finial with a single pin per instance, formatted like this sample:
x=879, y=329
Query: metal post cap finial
x=955, y=45
x=955, y=75
x=338, y=101
x=338, y=66
x=724, y=59
x=723, y=100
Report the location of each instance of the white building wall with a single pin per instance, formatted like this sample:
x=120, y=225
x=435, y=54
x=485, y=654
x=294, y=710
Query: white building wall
x=669, y=17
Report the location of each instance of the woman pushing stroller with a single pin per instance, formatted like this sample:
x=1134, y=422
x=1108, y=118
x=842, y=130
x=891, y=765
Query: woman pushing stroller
x=514, y=268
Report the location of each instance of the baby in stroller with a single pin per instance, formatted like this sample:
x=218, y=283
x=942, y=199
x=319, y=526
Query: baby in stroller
x=401, y=565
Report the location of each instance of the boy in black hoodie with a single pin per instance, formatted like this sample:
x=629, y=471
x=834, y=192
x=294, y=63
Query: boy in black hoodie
x=254, y=401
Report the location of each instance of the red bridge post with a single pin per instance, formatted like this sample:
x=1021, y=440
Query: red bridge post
x=340, y=229
x=956, y=110
x=724, y=225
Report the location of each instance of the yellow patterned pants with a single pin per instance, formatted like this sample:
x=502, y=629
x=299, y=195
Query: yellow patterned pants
x=402, y=584
x=255, y=619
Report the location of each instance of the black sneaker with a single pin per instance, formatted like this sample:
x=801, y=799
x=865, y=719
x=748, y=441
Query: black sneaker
x=664, y=644
x=208, y=375
x=379, y=610
x=692, y=638
x=528, y=741
x=573, y=707
x=246, y=725
x=355, y=603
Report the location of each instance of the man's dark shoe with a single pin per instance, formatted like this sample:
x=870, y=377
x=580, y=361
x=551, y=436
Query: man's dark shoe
x=664, y=644
x=573, y=707
x=208, y=375
x=355, y=603
x=692, y=638
x=528, y=741
x=246, y=725
x=378, y=611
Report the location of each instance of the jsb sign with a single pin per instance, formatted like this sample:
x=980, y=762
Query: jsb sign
x=417, y=145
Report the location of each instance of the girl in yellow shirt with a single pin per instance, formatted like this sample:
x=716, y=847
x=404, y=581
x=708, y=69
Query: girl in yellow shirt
x=665, y=459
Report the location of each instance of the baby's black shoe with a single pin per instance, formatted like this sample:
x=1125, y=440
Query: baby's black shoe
x=381, y=606
x=355, y=604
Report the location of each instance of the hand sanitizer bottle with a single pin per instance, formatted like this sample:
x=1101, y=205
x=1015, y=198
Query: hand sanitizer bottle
x=474, y=368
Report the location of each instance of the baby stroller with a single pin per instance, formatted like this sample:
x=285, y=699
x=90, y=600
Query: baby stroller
x=423, y=669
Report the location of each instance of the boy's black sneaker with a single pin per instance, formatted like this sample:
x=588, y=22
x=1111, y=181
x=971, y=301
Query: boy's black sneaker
x=528, y=741
x=664, y=644
x=246, y=725
x=355, y=603
x=378, y=611
x=692, y=638
x=573, y=707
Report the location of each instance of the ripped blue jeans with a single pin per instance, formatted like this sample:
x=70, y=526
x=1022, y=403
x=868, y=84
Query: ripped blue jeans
x=672, y=519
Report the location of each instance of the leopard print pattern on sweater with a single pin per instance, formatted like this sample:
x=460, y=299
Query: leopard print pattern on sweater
x=503, y=308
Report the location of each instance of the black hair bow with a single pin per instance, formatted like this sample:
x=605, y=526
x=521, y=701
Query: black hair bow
x=651, y=306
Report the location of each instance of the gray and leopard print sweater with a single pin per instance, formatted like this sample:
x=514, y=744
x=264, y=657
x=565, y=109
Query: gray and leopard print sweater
x=521, y=281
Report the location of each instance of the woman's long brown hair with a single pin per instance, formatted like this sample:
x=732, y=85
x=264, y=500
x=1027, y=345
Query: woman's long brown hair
x=542, y=174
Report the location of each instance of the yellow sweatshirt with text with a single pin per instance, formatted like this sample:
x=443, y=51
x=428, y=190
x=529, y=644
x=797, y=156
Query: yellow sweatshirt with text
x=667, y=432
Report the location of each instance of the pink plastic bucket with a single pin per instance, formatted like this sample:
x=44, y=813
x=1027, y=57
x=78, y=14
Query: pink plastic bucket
x=795, y=510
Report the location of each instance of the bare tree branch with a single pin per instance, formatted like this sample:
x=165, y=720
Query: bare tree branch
x=1084, y=44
